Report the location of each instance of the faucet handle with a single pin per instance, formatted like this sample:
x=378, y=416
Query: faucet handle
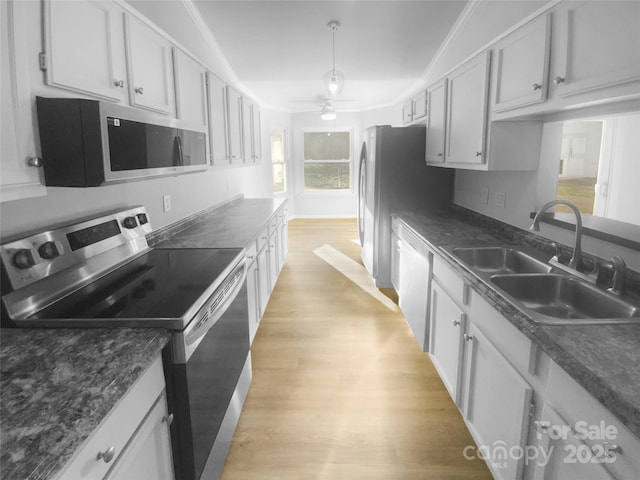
x=619, y=274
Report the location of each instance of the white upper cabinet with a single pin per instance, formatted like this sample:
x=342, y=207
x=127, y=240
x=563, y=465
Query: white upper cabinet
x=191, y=93
x=598, y=45
x=217, y=119
x=247, y=126
x=84, y=44
x=468, y=88
x=18, y=179
x=521, y=61
x=149, y=67
x=234, y=125
x=436, y=120
x=256, y=137
x=415, y=108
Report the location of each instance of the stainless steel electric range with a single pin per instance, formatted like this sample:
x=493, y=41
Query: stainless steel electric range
x=101, y=272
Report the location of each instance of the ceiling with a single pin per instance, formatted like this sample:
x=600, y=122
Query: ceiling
x=280, y=50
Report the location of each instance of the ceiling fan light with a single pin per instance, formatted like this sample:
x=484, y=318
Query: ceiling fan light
x=327, y=112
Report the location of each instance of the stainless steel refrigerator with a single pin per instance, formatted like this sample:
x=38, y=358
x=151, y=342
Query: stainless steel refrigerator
x=393, y=177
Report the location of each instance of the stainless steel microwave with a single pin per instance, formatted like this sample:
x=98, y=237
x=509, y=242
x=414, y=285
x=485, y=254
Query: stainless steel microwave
x=87, y=143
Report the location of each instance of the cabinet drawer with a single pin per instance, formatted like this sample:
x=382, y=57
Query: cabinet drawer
x=575, y=404
x=116, y=429
x=449, y=280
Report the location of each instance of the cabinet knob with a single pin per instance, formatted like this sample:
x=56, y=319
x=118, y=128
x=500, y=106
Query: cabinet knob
x=168, y=419
x=478, y=154
x=610, y=449
x=558, y=80
x=107, y=455
x=536, y=86
x=35, y=162
x=541, y=426
x=456, y=323
x=467, y=337
x=439, y=154
x=139, y=90
x=119, y=83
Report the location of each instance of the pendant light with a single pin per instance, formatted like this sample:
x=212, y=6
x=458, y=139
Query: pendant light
x=333, y=79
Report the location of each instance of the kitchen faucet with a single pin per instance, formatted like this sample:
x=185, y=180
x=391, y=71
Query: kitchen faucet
x=577, y=251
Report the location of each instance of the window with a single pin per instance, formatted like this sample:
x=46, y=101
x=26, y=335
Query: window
x=278, y=162
x=327, y=160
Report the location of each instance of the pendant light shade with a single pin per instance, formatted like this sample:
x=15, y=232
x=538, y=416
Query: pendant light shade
x=333, y=79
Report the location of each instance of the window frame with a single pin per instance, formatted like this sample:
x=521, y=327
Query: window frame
x=349, y=162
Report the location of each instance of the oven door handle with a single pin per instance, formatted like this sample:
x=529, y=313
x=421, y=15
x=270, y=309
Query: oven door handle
x=194, y=336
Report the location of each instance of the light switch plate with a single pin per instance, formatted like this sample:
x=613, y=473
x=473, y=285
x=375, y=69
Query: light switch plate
x=501, y=199
x=166, y=203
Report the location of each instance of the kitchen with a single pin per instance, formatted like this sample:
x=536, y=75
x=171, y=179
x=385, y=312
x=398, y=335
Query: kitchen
x=30, y=206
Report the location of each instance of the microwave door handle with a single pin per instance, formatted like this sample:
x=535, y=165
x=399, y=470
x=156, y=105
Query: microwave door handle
x=180, y=150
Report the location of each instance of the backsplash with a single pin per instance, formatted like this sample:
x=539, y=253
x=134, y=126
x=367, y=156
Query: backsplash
x=550, y=247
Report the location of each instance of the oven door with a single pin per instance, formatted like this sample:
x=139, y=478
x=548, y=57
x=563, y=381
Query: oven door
x=208, y=379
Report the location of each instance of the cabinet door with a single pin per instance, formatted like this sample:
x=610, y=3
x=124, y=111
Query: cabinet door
x=191, y=93
x=436, y=121
x=85, y=48
x=253, y=297
x=407, y=111
x=447, y=326
x=256, y=137
x=467, y=112
x=217, y=96
x=149, y=66
x=284, y=237
x=561, y=454
x=522, y=64
x=497, y=404
x=419, y=106
x=415, y=272
x=272, y=253
x=598, y=45
x=17, y=178
x=263, y=279
x=148, y=454
x=247, y=134
x=234, y=125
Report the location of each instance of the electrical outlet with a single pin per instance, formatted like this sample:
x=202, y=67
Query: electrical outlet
x=484, y=196
x=166, y=202
x=501, y=199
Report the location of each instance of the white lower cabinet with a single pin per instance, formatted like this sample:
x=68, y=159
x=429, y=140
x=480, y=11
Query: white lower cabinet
x=133, y=438
x=497, y=405
x=560, y=454
x=148, y=454
x=447, y=327
x=253, y=291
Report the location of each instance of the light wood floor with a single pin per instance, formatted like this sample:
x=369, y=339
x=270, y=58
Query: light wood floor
x=340, y=389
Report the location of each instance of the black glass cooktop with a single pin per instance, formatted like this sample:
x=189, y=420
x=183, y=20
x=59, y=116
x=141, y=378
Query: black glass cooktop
x=161, y=284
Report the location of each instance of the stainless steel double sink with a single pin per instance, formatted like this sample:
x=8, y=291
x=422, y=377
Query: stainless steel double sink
x=547, y=295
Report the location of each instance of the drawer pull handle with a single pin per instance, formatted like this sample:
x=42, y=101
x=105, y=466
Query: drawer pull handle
x=542, y=426
x=107, y=455
x=139, y=90
x=467, y=337
x=456, y=323
x=119, y=83
x=168, y=419
x=35, y=162
x=536, y=86
x=558, y=80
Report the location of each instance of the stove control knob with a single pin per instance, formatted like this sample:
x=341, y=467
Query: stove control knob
x=142, y=218
x=48, y=250
x=130, y=222
x=23, y=259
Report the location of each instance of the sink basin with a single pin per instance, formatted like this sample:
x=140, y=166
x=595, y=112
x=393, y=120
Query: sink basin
x=563, y=299
x=500, y=260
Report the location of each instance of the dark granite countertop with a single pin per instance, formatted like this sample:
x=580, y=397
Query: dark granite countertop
x=57, y=385
x=231, y=226
x=604, y=359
